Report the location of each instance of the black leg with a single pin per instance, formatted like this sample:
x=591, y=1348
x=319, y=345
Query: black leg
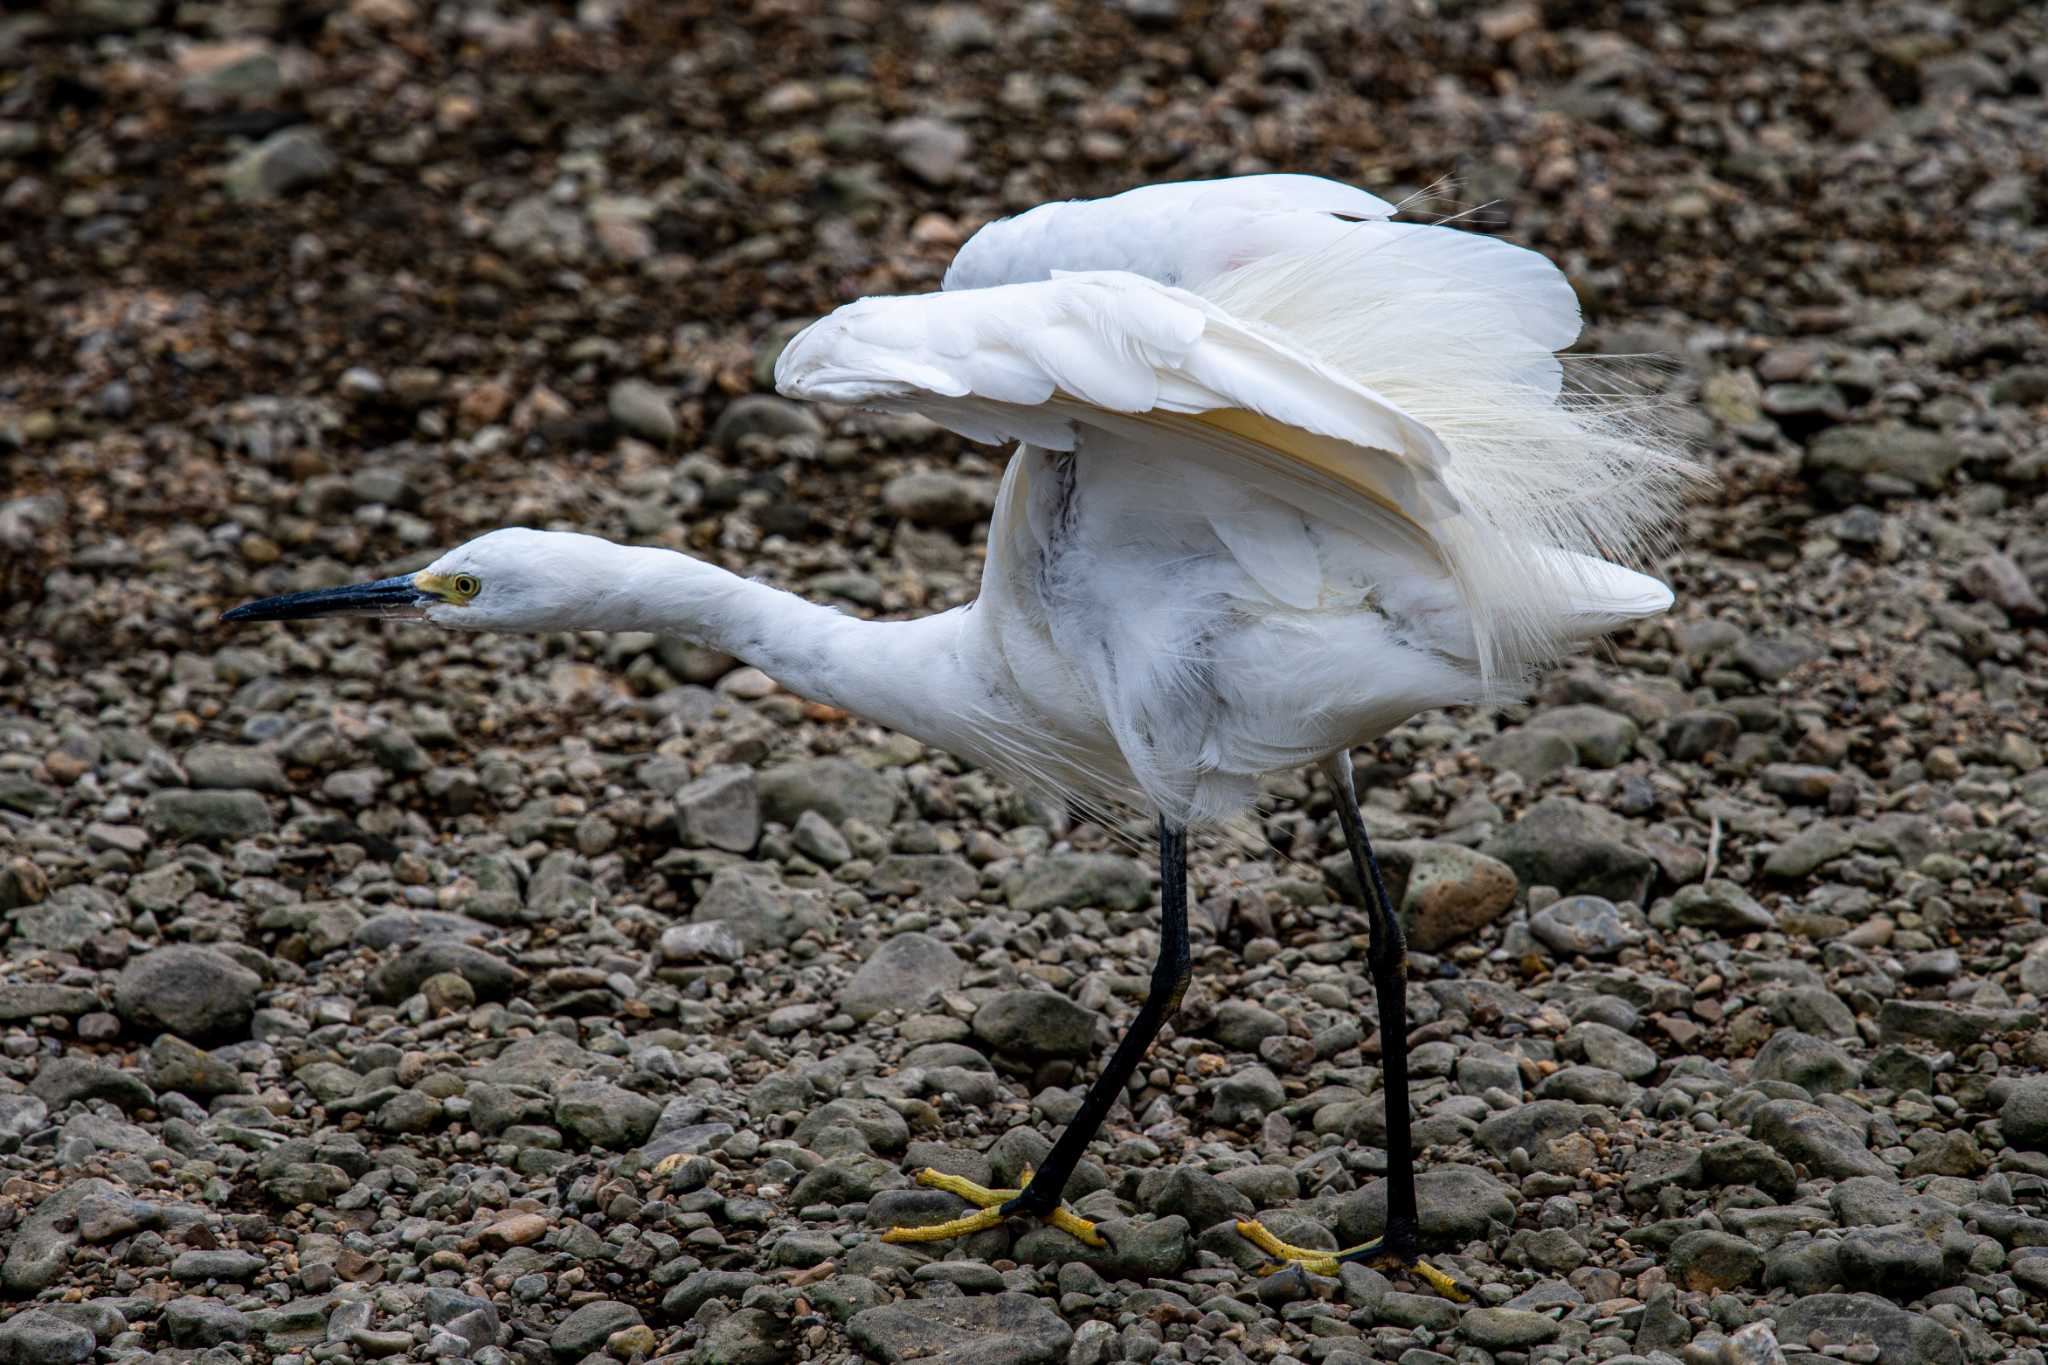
x=1388, y=959
x=1169, y=983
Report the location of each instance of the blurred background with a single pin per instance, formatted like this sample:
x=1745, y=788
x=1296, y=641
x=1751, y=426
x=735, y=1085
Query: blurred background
x=298, y=294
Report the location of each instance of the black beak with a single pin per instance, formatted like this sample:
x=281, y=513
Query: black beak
x=397, y=597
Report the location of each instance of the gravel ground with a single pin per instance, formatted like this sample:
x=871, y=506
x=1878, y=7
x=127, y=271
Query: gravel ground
x=357, y=977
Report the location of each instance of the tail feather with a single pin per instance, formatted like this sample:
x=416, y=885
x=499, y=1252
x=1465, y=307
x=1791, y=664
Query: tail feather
x=1460, y=332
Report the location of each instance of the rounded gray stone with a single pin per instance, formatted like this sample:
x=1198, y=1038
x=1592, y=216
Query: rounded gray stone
x=37, y=1337
x=188, y=990
x=906, y=972
x=1036, y=1024
x=1015, y=1328
x=1582, y=926
x=587, y=1329
x=1814, y=1064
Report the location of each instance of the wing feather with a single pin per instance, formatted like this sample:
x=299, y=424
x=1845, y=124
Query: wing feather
x=1181, y=234
x=1125, y=354
x=1117, y=351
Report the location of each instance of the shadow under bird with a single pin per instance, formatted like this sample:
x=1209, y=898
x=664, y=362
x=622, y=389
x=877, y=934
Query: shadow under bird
x=1288, y=472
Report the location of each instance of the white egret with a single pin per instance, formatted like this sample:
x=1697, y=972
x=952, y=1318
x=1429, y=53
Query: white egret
x=1289, y=472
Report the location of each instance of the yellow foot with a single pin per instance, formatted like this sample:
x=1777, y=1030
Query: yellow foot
x=1365, y=1253
x=990, y=1203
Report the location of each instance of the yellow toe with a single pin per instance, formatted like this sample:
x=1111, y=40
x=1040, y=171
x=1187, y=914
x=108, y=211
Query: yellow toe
x=1284, y=1254
x=1318, y=1262
x=981, y=1196
x=977, y=1221
x=1446, y=1285
x=1076, y=1227
x=989, y=1203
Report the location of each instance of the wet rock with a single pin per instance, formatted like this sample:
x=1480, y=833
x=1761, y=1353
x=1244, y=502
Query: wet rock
x=188, y=990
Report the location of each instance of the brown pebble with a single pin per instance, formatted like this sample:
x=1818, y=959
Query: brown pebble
x=518, y=1230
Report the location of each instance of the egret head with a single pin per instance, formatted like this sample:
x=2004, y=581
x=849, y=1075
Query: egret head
x=510, y=580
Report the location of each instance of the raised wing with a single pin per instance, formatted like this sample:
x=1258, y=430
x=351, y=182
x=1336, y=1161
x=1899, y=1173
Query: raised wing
x=1248, y=236
x=1106, y=349
x=1184, y=234
x=1044, y=362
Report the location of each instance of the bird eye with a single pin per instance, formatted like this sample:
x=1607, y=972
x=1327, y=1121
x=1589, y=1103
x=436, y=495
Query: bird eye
x=466, y=586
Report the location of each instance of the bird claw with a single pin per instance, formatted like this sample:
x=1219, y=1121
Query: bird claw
x=989, y=1204
x=1319, y=1262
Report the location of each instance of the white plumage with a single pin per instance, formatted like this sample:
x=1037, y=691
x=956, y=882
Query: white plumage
x=1290, y=473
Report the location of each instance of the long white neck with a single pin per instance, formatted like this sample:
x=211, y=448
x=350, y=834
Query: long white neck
x=890, y=672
